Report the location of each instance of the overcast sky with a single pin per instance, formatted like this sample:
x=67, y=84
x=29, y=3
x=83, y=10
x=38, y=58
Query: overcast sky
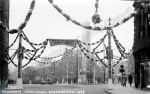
x=47, y=22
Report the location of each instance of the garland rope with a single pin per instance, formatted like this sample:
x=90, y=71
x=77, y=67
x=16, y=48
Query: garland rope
x=28, y=15
x=13, y=42
x=33, y=43
x=100, y=43
x=28, y=40
x=31, y=58
x=89, y=27
x=119, y=46
x=10, y=59
x=83, y=48
x=64, y=56
x=87, y=55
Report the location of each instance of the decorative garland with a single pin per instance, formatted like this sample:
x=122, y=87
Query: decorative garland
x=117, y=62
x=120, y=47
x=28, y=15
x=57, y=56
x=64, y=56
x=36, y=49
x=83, y=48
x=13, y=42
x=117, y=42
x=10, y=59
x=25, y=37
x=41, y=52
x=92, y=43
x=31, y=58
x=88, y=56
x=124, y=20
x=89, y=43
x=100, y=43
x=88, y=27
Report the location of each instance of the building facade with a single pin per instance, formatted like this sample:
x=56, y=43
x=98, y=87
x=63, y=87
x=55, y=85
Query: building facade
x=4, y=39
x=141, y=46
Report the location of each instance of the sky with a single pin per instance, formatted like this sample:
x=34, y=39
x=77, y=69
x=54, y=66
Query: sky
x=46, y=22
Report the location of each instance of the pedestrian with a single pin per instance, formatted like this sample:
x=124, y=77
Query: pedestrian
x=124, y=79
x=130, y=79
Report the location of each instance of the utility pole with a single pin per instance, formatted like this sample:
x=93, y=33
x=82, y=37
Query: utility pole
x=4, y=42
x=109, y=57
x=94, y=72
x=77, y=66
x=67, y=73
x=20, y=57
x=103, y=67
x=54, y=73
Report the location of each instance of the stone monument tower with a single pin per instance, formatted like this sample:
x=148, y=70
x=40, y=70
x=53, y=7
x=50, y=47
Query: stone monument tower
x=86, y=37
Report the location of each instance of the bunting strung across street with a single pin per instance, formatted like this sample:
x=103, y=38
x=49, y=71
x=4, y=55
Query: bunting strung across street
x=67, y=42
x=121, y=49
x=28, y=15
x=102, y=40
x=10, y=59
x=83, y=48
x=35, y=44
x=12, y=43
x=80, y=46
x=50, y=62
x=93, y=43
x=90, y=27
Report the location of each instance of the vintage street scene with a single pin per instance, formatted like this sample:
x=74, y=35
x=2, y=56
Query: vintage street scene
x=74, y=47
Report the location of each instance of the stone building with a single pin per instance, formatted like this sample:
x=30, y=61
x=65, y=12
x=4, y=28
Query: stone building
x=141, y=46
x=4, y=39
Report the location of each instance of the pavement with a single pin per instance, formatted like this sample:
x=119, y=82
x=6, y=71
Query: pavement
x=119, y=89
x=57, y=89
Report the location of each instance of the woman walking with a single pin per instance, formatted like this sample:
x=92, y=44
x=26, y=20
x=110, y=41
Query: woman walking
x=124, y=79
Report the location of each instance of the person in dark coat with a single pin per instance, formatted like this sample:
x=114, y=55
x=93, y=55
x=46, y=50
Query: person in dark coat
x=130, y=78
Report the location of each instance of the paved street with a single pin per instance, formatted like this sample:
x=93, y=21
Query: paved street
x=60, y=89
x=74, y=89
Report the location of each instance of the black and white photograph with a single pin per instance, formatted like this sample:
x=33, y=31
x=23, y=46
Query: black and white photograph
x=74, y=47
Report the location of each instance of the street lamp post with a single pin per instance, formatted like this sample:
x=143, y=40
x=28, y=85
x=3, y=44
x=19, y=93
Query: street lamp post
x=54, y=73
x=94, y=72
x=20, y=57
x=109, y=57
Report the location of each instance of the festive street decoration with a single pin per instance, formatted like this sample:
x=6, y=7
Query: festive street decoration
x=49, y=58
x=12, y=43
x=10, y=59
x=84, y=49
x=121, y=49
x=92, y=43
x=27, y=16
x=95, y=17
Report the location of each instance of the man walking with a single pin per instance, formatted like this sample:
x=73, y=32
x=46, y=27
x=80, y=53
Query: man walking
x=130, y=79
